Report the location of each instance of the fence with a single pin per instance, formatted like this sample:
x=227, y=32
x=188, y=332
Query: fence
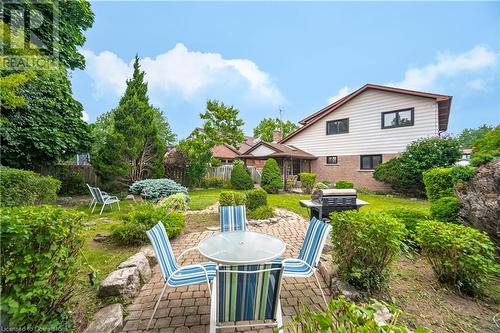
x=224, y=172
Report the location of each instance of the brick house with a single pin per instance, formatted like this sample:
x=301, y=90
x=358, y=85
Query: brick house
x=351, y=136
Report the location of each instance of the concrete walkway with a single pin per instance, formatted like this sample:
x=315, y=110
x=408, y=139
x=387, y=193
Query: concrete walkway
x=187, y=309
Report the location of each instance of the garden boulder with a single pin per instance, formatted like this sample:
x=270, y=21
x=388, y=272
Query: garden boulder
x=140, y=261
x=480, y=201
x=123, y=282
x=109, y=319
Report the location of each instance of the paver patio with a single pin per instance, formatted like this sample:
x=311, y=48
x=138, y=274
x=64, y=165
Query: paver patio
x=187, y=309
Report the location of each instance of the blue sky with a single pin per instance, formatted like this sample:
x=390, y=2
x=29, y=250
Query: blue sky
x=297, y=56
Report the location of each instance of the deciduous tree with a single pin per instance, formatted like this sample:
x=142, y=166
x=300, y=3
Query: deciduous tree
x=264, y=130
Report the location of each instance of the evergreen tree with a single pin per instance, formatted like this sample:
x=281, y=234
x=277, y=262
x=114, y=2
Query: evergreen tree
x=271, y=180
x=133, y=148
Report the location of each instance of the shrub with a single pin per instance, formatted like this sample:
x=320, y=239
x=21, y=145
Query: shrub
x=410, y=218
x=134, y=225
x=212, y=182
x=154, y=189
x=487, y=148
x=343, y=316
x=404, y=173
x=446, y=209
x=261, y=213
x=72, y=181
x=256, y=198
x=459, y=255
x=240, y=177
x=344, y=184
x=231, y=198
x=271, y=180
x=365, y=244
x=307, y=180
x=39, y=259
x=438, y=183
x=21, y=187
x=175, y=202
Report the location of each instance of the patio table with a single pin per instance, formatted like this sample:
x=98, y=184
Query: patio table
x=241, y=247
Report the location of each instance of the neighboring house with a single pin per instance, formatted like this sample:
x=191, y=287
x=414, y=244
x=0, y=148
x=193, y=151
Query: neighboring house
x=351, y=136
x=291, y=160
x=225, y=153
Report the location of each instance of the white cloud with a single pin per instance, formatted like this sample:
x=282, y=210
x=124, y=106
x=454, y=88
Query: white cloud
x=182, y=71
x=344, y=91
x=447, y=65
x=478, y=84
x=85, y=116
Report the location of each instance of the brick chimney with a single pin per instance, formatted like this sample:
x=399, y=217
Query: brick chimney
x=276, y=135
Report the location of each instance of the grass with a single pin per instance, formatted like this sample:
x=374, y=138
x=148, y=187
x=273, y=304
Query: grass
x=203, y=198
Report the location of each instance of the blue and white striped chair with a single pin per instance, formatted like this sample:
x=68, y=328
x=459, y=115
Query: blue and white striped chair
x=246, y=293
x=305, y=265
x=173, y=274
x=232, y=218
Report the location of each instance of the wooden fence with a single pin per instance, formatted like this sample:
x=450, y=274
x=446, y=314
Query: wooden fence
x=62, y=171
x=224, y=172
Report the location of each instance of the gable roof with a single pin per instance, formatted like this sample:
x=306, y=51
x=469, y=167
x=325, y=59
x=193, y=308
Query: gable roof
x=280, y=150
x=444, y=104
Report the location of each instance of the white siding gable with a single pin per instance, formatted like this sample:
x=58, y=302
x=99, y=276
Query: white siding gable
x=262, y=151
x=366, y=135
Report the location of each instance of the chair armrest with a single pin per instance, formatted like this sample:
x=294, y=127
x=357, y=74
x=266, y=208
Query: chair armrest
x=111, y=198
x=295, y=259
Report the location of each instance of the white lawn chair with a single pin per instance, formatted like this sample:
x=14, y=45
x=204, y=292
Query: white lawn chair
x=103, y=199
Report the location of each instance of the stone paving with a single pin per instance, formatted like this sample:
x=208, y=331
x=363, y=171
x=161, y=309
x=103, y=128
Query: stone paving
x=187, y=309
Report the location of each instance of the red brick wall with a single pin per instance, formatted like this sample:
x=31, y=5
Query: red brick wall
x=259, y=164
x=348, y=169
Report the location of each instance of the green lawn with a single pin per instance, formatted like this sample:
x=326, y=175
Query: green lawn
x=203, y=198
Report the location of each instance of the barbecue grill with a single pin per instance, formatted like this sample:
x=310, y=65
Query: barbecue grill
x=323, y=202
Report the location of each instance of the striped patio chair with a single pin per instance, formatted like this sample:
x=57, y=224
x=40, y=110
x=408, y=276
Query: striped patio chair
x=93, y=196
x=103, y=198
x=306, y=264
x=246, y=293
x=173, y=274
x=232, y=218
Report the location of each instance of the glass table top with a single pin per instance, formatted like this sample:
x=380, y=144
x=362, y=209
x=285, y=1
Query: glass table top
x=241, y=247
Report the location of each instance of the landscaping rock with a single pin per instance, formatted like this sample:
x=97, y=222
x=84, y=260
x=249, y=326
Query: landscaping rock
x=105, y=219
x=327, y=269
x=213, y=228
x=340, y=287
x=130, y=197
x=107, y=320
x=149, y=252
x=140, y=261
x=101, y=237
x=89, y=224
x=480, y=201
x=214, y=209
x=123, y=282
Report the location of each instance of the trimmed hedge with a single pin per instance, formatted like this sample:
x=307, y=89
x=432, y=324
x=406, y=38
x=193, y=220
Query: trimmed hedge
x=231, y=198
x=440, y=182
x=365, y=244
x=344, y=184
x=22, y=187
x=445, y=209
x=256, y=198
x=240, y=177
x=307, y=180
x=39, y=252
x=459, y=255
x=154, y=189
x=134, y=225
x=271, y=180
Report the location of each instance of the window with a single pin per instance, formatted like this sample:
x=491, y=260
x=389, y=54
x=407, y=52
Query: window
x=339, y=126
x=398, y=118
x=331, y=160
x=370, y=162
